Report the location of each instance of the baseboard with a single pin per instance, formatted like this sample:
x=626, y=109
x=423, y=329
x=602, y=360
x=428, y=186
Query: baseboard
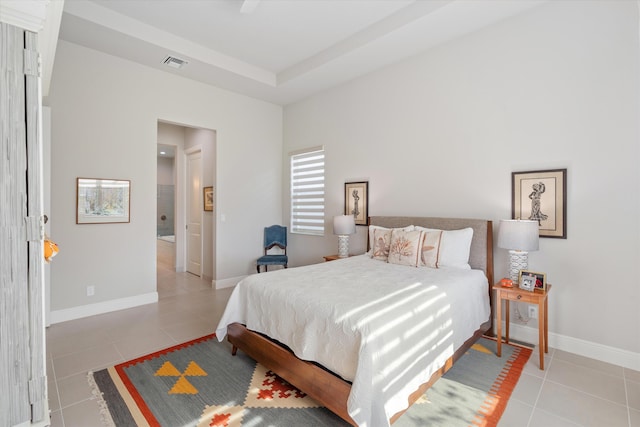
x=603, y=353
x=226, y=283
x=58, y=316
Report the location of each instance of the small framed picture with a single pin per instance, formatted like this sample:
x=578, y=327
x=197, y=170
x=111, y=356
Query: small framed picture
x=356, y=201
x=531, y=281
x=208, y=198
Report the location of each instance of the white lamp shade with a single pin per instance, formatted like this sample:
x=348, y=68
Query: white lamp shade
x=344, y=225
x=518, y=235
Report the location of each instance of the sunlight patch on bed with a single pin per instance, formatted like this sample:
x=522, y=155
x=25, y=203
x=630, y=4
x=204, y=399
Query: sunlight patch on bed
x=400, y=320
x=388, y=304
x=355, y=311
x=396, y=373
x=420, y=349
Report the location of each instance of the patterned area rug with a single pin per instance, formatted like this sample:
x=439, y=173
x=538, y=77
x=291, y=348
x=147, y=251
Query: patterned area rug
x=199, y=383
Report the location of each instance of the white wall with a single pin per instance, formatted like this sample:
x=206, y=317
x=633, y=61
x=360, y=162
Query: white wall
x=105, y=113
x=206, y=140
x=441, y=133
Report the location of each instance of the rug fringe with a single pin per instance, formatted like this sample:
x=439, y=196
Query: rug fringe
x=105, y=415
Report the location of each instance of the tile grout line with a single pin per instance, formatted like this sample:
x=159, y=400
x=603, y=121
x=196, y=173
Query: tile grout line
x=544, y=379
x=55, y=377
x=624, y=405
x=626, y=395
x=567, y=420
x=596, y=370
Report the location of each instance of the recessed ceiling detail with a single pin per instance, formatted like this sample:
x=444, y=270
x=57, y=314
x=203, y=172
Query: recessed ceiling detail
x=282, y=51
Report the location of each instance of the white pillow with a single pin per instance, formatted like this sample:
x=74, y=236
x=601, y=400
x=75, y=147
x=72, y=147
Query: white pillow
x=372, y=228
x=405, y=247
x=455, y=246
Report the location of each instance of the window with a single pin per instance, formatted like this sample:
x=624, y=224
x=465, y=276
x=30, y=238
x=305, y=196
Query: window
x=307, y=191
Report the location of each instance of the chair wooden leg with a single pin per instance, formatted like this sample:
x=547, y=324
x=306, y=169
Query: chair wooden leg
x=234, y=350
x=258, y=268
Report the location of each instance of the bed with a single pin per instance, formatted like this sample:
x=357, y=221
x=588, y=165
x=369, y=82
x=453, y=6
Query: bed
x=365, y=337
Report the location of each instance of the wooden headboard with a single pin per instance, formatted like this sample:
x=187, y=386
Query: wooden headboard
x=481, y=255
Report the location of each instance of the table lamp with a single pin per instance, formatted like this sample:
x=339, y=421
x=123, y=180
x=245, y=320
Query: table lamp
x=343, y=226
x=519, y=237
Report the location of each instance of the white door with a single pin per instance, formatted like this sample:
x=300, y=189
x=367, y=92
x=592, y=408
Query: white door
x=194, y=213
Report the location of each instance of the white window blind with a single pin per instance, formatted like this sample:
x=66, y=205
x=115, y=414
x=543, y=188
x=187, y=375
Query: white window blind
x=307, y=191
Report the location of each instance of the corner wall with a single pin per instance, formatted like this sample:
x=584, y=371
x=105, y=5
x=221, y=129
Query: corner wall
x=441, y=133
x=105, y=112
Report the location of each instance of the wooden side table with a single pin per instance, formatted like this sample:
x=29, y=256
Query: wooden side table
x=535, y=297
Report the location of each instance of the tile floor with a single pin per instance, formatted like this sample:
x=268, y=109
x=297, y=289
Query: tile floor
x=572, y=391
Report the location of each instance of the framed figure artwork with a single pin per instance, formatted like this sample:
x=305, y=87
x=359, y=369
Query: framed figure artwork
x=208, y=198
x=356, y=201
x=541, y=196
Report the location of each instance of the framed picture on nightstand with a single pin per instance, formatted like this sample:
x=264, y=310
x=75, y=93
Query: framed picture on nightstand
x=530, y=280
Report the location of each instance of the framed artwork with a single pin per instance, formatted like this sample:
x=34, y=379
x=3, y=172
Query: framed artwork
x=531, y=281
x=541, y=196
x=102, y=201
x=356, y=201
x=208, y=198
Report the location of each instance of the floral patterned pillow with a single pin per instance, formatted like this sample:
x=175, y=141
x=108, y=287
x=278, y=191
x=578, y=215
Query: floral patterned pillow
x=373, y=228
x=380, y=246
x=406, y=247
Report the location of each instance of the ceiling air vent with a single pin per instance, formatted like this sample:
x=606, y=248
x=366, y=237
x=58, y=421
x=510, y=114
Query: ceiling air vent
x=174, y=62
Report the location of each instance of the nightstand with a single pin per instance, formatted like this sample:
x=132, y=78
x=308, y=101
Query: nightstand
x=520, y=295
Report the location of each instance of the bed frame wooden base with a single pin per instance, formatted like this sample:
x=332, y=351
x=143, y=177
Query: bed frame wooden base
x=329, y=389
x=320, y=384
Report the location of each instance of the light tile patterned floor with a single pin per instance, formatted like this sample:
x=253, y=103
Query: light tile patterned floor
x=572, y=391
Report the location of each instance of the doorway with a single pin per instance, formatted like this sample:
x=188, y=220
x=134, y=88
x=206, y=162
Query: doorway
x=166, y=207
x=188, y=181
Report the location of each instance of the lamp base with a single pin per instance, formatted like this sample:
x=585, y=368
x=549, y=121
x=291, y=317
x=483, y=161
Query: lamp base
x=343, y=246
x=518, y=260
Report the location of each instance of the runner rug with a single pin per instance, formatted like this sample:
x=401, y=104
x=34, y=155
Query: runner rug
x=199, y=383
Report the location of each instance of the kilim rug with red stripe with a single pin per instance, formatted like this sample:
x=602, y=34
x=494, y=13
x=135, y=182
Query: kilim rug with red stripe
x=199, y=383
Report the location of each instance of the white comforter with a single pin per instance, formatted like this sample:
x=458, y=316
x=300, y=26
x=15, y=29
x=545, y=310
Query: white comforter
x=385, y=327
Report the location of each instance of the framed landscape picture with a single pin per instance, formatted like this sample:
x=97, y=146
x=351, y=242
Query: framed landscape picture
x=102, y=201
x=541, y=196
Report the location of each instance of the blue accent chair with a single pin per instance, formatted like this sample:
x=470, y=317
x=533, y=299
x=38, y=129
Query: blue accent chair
x=274, y=236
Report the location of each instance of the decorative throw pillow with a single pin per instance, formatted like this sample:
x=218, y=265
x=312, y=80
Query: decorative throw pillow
x=380, y=246
x=455, y=246
x=372, y=228
x=431, y=248
x=406, y=247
